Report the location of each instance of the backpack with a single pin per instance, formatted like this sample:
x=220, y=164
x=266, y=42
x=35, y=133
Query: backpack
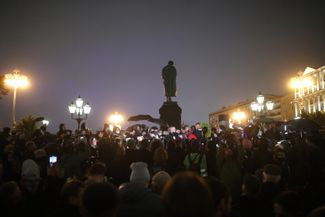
x=195, y=166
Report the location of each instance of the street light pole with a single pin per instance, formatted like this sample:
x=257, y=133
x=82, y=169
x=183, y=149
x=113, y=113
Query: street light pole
x=15, y=80
x=14, y=107
x=79, y=111
x=259, y=107
x=79, y=122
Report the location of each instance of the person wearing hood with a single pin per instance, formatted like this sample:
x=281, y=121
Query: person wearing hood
x=30, y=176
x=136, y=199
x=30, y=185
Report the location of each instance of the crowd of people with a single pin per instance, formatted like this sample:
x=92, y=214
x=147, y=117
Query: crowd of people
x=142, y=171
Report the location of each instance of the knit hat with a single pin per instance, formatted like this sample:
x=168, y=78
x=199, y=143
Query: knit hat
x=30, y=170
x=140, y=172
x=272, y=169
x=160, y=179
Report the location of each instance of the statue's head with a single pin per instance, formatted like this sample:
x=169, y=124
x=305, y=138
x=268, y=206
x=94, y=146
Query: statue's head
x=170, y=63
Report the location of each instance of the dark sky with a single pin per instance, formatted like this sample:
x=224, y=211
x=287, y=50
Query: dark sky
x=112, y=53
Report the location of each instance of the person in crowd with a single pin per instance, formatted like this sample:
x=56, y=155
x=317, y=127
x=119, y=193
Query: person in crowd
x=30, y=185
x=96, y=174
x=1, y=172
x=41, y=136
x=191, y=132
x=211, y=156
x=140, y=173
x=229, y=164
x=172, y=133
x=5, y=137
x=30, y=147
x=160, y=158
x=131, y=153
x=221, y=197
x=74, y=156
x=136, y=199
x=107, y=150
x=119, y=167
x=84, y=132
x=184, y=132
x=176, y=157
x=299, y=162
x=51, y=188
x=248, y=204
x=11, y=199
x=197, y=130
x=187, y=195
x=269, y=188
x=158, y=181
x=280, y=159
x=195, y=160
x=288, y=204
x=11, y=163
x=247, y=143
x=41, y=159
x=99, y=200
x=318, y=212
x=155, y=143
x=214, y=134
x=261, y=155
x=70, y=199
x=206, y=132
x=144, y=154
x=272, y=132
x=30, y=176
x=62, y=132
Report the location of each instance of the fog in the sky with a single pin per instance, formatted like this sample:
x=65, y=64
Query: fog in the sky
x=111, y=53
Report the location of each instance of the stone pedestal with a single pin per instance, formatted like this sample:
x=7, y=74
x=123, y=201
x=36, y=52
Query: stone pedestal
x=170, y=112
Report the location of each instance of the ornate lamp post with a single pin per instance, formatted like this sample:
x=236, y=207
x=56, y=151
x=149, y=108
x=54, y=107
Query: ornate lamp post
x=259, y=106
x=15, y=80
x=79, y=111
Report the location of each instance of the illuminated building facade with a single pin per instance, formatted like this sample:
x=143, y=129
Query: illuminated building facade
x=281, y=111
x=309, y=91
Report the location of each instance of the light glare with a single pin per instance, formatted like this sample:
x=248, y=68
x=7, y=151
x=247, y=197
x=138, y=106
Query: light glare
x=16, y=80
x=238, y=116
x=116, y=118
x=79, y=102
x=260, y=99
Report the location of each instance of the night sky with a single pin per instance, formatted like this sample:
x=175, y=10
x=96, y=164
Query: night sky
x=111, y=53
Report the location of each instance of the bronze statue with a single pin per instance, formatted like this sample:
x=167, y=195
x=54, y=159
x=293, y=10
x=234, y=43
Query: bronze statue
x=168, y=74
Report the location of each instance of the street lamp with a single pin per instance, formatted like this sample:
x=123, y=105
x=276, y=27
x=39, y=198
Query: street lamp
x=45, y=122
x=238, y=116
x=15, y=80
x=259, y=105
x=79, y=111
x=269, y=105
x=115, y=120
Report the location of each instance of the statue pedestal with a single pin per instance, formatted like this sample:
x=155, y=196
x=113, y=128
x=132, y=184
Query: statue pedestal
x=170, y=112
